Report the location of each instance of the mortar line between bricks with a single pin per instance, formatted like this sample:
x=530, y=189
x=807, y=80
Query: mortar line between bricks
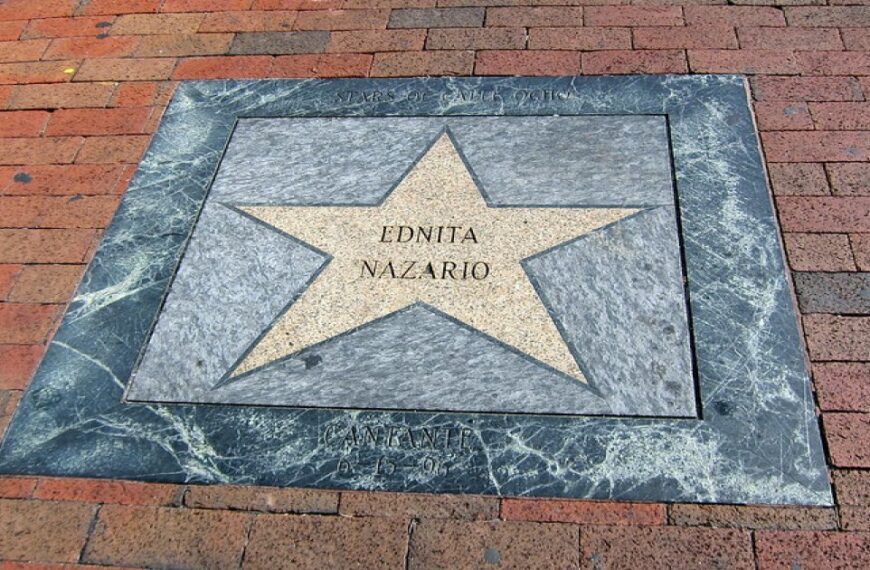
x=78, y=150
x=828, y=180
x=248, y=531
x=841, y=38
x=837, y=506
x=752, y=545
x=89, y=534
x=45, y=126
x=41, y=263
x=822, y=432
x=178, y=61
x=412, y=526
x=46, y=228
x=852, y=250
x=181, y=497
x=78, y=67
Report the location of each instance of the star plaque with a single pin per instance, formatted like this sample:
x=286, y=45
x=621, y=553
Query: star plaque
x=557, y=287
x=418, y=264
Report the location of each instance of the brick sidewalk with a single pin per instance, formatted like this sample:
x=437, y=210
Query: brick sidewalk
x=82, y=86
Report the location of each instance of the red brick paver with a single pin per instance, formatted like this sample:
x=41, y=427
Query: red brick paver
x=19, y=363
x=43, y=531
x=262, y=499
x=843, y=386
x=751, y=517
x=279, y=541
x=583, y=512
x=161, y=537
x=419, y=506
x=812, y=550
x=665, y=547
x=111, y=492
x=452, y=544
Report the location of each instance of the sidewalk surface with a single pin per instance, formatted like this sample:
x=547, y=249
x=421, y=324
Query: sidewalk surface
x=83, y=84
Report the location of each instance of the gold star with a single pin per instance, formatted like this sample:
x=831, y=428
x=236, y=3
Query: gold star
x=455, y=254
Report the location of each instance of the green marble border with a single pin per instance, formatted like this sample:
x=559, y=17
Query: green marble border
x=757, y=441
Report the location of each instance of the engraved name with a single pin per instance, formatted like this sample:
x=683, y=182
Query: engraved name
x=428, y=234
x=441, y=269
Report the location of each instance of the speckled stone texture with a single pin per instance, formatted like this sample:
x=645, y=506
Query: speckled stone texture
x=167, y=537
x=231, y=292
x=757, y=437
x=280, y=542
x=610, y=547
x=535, y=161
x=443, y=544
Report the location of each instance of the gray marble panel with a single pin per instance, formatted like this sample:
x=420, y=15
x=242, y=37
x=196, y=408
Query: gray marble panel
x=617, y=294
x=582, y=161
x=235, y=277
x=417, y=359
x=590, y=161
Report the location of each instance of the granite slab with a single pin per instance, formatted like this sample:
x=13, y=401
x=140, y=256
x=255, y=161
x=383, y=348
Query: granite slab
x=692, y=251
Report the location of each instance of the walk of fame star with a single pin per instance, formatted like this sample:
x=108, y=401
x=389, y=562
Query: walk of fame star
x=433, y=240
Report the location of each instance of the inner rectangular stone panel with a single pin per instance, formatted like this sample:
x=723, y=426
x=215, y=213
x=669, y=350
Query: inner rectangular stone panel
x=588, y=161
x=616, y=293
